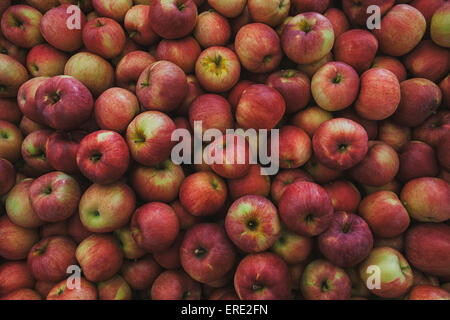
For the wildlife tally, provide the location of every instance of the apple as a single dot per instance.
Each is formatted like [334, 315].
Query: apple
[443, 153]
[432, 130]
[9, 110]
[62, 149]
[308, 215]
[344, 195]
[194, 91]
[206, 253]
[59, 228]
[76, 230]
[34, 149]
[294, 147]
[15, 275]
[137, 24]
[283, 179]
[22, 294]
[173, 19]
[141, 273]
[175, 285]
[55, 30]
[310, 119]
[396, 276]
[291, 247]
[311, 68]
[114, 9]
[310, 5]
[228, 8]
[26, 98]
[393, 134]
[319, 172]
[217, 69]
[223, 294]
[338, 20]
[127, 244]
[12, 75]
[270, 12]
[15, 241]
[130, 68]
[258, 48]
[130, 46]
[401, 30]
[182, 52]
[371, 126]
[93, 71]
[294, 86]
[421, 278]
[340, 143]
[212, 29]
[115, 288]
[396, 243]
[417, 159]
[28, 126]
[43, 6]
[254, 183]
[322, 280]
[186, 219]
[427, 292]
[12, 50]
[45, 61]
[262, 276]
[104, 36]
[356, 11]
[7, 176]
[170, 258]
[385, 214]
[61, 291]
[241, 19]
[439, 26]
[335, 86]
[392, 64]
[20, 25]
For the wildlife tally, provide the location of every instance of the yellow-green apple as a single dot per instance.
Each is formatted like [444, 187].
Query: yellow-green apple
[173, 19]
[162, 86]
[322, 280]
[427, 246]
[426, 199]
[357, 48]
[18, 206]
[99, 256]
[319, 172]
[371, 126]
[432, 130]
[45, 61]
[401, 29]
[294, 86]
[356, 10]
[228, 8]
[348, 240]
[104, 36]
[254, 183]
[443, 153]
[338, 20]
[380, 158]
[55, 29]
[392, 64]
[7, 176]
[294, 147]
[206, 253]
[26, 98]
[283, 179]
[93, 71]
[34, 150]
[12, 75]
[344, 195]
[310, 5]
[49, 259]
[393, 134]
[114, 9]
[212, 29]
[307, 38]
[140, 273]
[22, 294]
[291, 247]
[10, 141]
[9, 110]
[335, 86]
[394, 271]
[115, 288]
[417, 160]
[385, 214]
[170, 258]
[272, 12]
[43, 5]
[154, 226]
[217, 69]
[310, 119]
[262, 276]
[260, 107]
[161, 182]
[379, 96]
[175, 285]
[15, 275]
[20, 25]
[186, 219]
[127, 244]
[137, 24]
[340, 143]
[183, 52]
[61, 291]
[194, 91]
[149, 137]
[396, 243]
[308, 215]
[15, 241]
[130, 68]
[62, 150]
[10, 49]
[439, 26]
[258, 48]
[427, 292]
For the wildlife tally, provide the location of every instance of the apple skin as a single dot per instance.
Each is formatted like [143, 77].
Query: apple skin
[43, 6]
[444, 85]
[7, 176]
[106, 208]
[45, 61]
[443, 154]
[170, 258]
[154, 226]
[228, 8]
[103, 156]
[310, 119]
[393, 134]
[310, 5]
[427, 292]
[194, 91]
[26, 98]
[432, 130]
[62, 150]
[34, 151]
[307, 38]
[439, 26]
[291, 247]
[9, 110]
[12, 50]
[379, 87]
[335, 86]
[127, 244]
[258, 48]
[175, 285]
[141, 273]
[22, 294]
[392, 64]
[112, 9]
[270, 12]
[173, 19]
[424, 60]
[371, 126]
[380, 158]
[294, 86]
[322, 280]
[348, 240]
[15, 241]
[182, 52]
[49, 259]
[340, 143]
[396, 274]
[385, 214]
[115, 288]
[212, 29]
[344, 195]
[60, 291]
[417, 160]
[321, 173]
[104, 36]
[54, 196]
[426, 199]
[149, 137]
[254, 183]
[99, 257]
[20, 25]
[223, 294]
[262, 276]
[338, 20]
[186, 219]
[396, 243]
[55, 31]
[357, 11]
[15, 275]
[311, 68]
[283, 179]
[59, 228]
[12, 75]
[137, 24]
[28, 126]
[252, 223]
[130, 68]
[309, 215]
[294, 147]
[217, 69]
[206, 253]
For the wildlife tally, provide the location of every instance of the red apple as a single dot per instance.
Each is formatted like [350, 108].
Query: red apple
[137, 23]
[310, 119]
[183, 52]
[34, 150]
[44, 60]
[417, 159]
[392, 64]
[62, 150]
[22, 294]
[54, 229]
[432, 130]
[115, 288]
[338, 20]
[175, 285]
[12, 75]
[28, 126]
[7, 176]
[291, 247]
[14, 276]
[285, 178]
[321, 173]
[194, 91]
[170, 258]
[393, 134]
[371, 126]
[12, 50]
[294, 147]
[427, 292]
[228, 8]
[396, 243]
[130, 67]
[104, 36]
[186, 219]
[311, 68]
[344, 195]
[15, 241]
[114, 9]
[43, 5]
[140, 273]
[20, 25]
[254, 183]
[310, 5]
[212, 29]
[61, 291]
[9, 110]
[26, 98]
[76, 230]
[443, 153]
[272, 12]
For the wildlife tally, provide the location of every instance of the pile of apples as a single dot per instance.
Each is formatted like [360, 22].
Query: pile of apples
[90, 98]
